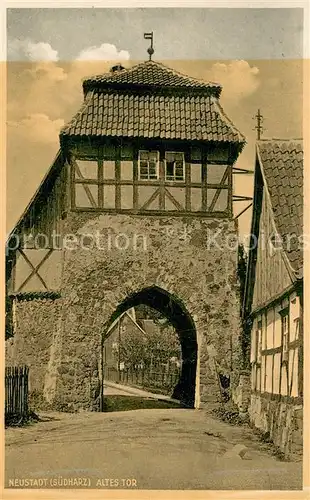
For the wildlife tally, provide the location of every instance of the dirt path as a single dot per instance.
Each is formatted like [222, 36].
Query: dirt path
[150, 449]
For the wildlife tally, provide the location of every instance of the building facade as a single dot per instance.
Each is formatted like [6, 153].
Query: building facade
[273, 310]
[128, 215]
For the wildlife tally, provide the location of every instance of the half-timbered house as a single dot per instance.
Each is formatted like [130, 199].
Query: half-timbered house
[273, 308]
[126, 215]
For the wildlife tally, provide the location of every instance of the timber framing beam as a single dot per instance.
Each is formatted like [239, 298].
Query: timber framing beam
[35, 269]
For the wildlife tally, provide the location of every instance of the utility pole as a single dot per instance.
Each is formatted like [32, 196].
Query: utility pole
[258, 127]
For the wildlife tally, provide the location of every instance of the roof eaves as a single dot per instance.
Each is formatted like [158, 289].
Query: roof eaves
[250, 272]
[227, 121]
[36, 194]
[64, 130]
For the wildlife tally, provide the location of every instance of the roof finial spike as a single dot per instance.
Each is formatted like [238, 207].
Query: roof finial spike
[259, 120]
[150, 50]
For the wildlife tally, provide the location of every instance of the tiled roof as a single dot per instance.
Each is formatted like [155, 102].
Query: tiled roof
[149, 74]
[152, 116]
[282, 166]
[152, 101]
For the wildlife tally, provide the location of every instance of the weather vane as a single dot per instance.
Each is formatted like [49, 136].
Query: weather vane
[150, 50]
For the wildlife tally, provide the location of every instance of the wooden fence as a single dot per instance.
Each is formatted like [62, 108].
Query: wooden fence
[160, 380]
[16, 391]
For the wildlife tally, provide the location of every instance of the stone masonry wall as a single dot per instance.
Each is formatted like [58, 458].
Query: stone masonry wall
[34, 341]
[282, 420]
[171, 253]
[61, 339]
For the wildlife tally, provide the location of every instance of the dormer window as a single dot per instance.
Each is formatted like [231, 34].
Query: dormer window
[174, 166]
[148, 165]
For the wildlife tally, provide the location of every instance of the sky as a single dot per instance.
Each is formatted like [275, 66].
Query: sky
[255, 54]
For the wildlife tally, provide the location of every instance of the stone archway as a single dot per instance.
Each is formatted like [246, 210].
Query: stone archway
[175, 311]
[196, 281]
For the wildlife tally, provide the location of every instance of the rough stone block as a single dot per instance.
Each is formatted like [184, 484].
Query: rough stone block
[238, 451]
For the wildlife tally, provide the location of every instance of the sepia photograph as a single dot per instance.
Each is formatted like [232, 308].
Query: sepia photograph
[154, 250]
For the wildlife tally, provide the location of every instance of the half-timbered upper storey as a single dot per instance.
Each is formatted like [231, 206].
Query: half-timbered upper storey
[148, 139]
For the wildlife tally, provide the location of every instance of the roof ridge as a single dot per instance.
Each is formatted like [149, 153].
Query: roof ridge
[178, 73]
[116, 77]
[278, 139]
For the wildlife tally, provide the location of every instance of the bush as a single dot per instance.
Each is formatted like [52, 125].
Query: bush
[229, 413]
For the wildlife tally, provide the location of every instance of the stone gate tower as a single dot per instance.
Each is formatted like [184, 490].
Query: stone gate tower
[137, 208]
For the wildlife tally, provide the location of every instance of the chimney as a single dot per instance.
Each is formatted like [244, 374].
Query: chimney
[117, 67]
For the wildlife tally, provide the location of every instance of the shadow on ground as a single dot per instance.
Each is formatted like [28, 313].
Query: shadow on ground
[127, 403]
[25, 420]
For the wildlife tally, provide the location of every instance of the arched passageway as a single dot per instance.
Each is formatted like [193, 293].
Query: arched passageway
[174, 310]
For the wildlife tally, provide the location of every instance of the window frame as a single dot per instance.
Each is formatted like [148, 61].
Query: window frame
[174, 167]
[139, 165]
[259, 341]
[285, 332]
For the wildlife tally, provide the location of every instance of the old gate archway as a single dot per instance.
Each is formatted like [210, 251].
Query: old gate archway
[175, 311]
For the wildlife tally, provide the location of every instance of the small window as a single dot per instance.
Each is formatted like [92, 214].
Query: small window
[285, 333]
[259, 342]
[174, 166]
[148, 165]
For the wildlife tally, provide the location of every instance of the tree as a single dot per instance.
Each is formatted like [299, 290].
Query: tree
[156, 345]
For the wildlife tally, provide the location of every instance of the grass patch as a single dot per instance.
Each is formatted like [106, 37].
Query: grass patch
[127, 403]
[38, 403]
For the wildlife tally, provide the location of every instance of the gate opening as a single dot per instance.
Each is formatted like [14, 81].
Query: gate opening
[168, 362]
